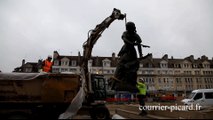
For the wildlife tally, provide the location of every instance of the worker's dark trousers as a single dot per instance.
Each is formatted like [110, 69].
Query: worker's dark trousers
[141, 99]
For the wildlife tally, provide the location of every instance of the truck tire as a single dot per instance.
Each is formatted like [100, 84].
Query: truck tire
[17, 115]
[100, 112]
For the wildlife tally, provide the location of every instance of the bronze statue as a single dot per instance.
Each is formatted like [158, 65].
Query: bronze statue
[125, 77]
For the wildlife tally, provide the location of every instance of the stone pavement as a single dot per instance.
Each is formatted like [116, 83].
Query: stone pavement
[131, 111]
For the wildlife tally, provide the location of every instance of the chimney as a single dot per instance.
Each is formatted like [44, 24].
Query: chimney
[23, 62]
[191, 57]
[39, 64]
[149, 56]
[79, 58]
[55, 55]
[165, 57]
[113, 56]
[204, 57]
[96, 60]
[79, 53]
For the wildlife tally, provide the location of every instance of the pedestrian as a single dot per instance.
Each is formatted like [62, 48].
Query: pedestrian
[47, 64]
[141, 95]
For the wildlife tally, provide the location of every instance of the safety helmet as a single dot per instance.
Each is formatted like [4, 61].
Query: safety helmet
[49, 56]
[130, 26]
[141, 80]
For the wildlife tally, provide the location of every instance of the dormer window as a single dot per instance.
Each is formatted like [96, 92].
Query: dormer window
[89, 63]
[65, 61]
[73, 63]
[56, 62]
[164, 64]
[206, 64]
[186, 64]
[176, 65]
[141, 64]
[150, 65]
[106, 63]
[194, 65]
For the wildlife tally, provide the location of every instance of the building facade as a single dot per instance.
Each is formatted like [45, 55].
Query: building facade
[29, 67]
[98, 65]
[170, 74]
[178, 75]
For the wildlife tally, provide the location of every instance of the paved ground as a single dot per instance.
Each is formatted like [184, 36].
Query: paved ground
[131, 111]
[115, 110]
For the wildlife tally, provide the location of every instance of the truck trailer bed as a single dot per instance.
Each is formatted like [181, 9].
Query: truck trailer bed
[37, 94]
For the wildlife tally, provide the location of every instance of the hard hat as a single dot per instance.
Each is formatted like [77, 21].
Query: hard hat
[130, 26]
[141, 80]
[49, 56]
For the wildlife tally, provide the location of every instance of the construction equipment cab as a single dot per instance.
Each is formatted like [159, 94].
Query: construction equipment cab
[98, 87]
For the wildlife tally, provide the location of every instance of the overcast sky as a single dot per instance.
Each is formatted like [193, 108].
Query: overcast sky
[33, 29]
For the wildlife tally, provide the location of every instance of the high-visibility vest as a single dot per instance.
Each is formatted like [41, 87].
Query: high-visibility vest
[47, 66]
[142, 88]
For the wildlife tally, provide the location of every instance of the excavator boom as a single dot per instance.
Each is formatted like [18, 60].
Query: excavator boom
[93, 36]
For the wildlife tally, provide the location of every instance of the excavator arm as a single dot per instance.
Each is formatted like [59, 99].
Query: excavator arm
[93, 36]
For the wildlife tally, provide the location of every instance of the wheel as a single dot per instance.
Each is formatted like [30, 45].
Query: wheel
[100, 112]
[17, 115]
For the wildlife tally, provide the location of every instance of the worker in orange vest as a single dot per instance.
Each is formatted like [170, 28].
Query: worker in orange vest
[47, 64]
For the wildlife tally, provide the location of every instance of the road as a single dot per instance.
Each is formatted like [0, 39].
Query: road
[132, 111]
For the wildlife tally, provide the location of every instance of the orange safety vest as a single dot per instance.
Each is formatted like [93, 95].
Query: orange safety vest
[47, 66]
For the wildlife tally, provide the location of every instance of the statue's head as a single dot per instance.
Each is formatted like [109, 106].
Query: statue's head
[130, 26]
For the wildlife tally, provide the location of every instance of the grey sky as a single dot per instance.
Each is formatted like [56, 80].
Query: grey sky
[33, 29]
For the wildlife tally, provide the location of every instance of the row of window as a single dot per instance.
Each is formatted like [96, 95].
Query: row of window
[165, 65]
[165, 80]
[179, 87]
[101, 71]
[56, 70]
[65, 63]
[170, 72]
[166, 87]
[189, 87]
[107, 63]
[198, 72]
[176, 72]
[191, 65]
[164, 84]
[207, 72]
[150, 80]
[198, 80]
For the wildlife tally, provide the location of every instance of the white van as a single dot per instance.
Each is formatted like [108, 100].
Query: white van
[202, 97]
